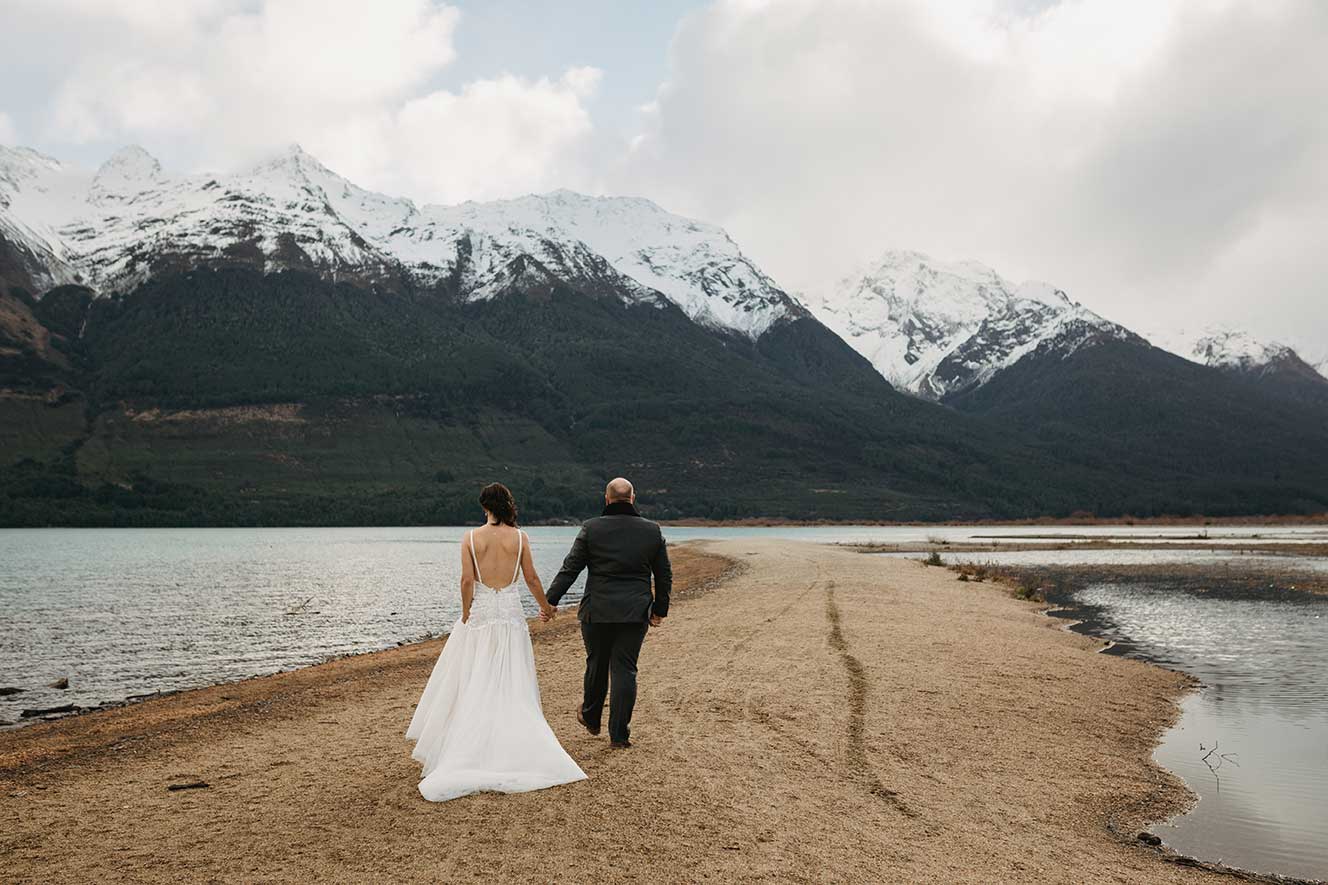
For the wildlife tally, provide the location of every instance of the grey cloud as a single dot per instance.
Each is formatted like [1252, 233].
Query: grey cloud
[820, 133]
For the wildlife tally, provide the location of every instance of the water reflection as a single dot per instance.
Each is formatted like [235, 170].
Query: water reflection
[129, 612]
[1127, 556]
[1264, 707]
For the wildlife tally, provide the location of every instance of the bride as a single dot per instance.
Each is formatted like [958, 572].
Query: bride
[479, 725]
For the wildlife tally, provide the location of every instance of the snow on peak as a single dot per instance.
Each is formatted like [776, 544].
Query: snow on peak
[904, 282]
[130, 163]
[128, 173]
[36, 191]
[24, 161]
[1046, 293]
[292, 160]
[1225, 348]
[111, 229]
[1237, 350]
[935, 328]
[695, 265]
[21, 168]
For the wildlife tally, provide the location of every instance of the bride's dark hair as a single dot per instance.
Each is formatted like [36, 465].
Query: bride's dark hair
[497, 499]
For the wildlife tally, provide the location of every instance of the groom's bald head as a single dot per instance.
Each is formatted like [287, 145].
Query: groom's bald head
[619, 490]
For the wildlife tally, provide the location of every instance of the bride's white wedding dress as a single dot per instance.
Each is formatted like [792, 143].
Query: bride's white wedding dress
[479, 724]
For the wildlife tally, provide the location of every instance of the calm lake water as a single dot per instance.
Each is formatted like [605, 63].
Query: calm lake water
[124, 612]
[1253, 742]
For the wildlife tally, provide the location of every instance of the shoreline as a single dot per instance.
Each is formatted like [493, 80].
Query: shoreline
[760, 766]
[704, 573]
[1227, 545]
[1277, 520]
[1250, 571]
[1057, 585]
[1253, 520]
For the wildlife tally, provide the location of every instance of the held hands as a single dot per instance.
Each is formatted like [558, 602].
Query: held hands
[655, 620]
[547, 613]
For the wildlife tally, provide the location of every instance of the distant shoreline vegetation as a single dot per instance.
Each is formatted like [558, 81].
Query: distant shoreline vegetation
[1077, 519]
[34, 495]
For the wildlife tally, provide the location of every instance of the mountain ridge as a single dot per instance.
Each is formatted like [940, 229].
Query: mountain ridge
[931, 328]
[1231, 349]
[113, 229]
[937, 329]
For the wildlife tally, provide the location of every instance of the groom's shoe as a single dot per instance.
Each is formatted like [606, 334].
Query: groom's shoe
[620, 745]
[581, 717]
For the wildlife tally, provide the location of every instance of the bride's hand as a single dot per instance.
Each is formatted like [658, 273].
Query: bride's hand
[547, 613]
[465, 616]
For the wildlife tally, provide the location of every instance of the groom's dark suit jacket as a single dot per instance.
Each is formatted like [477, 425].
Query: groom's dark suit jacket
[622, 550]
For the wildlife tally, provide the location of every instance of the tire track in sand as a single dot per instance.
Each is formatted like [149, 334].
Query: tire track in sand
[859, 765]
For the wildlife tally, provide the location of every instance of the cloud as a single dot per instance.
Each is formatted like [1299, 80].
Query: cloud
[219, 83]
[1154, 158]
[493, 138]
[235, 76]
[8, 134]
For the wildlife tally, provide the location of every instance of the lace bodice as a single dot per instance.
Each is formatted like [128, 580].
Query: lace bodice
[491, 606]
[496, 606]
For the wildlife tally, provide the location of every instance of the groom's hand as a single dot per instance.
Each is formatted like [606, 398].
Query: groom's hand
[656, 620]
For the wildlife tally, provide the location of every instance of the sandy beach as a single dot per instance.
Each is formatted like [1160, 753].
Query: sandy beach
[807, 713]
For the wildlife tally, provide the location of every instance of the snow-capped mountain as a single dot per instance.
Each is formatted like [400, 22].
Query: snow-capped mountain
[1233, 350]
[937, 328]
[113, 229]
[931, 328]
[1228, 349]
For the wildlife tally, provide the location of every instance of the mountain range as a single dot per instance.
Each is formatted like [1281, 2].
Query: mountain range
[938, 329]
[281, 345]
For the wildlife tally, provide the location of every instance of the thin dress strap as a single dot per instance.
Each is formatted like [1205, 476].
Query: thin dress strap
[516, 571]
[473, 558]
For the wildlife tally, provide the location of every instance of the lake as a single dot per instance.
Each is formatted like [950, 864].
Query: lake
[1253, 742]
[126, 612]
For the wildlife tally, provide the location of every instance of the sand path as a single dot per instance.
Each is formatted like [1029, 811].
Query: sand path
[823, 715]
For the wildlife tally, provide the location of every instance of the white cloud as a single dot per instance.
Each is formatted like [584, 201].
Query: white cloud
[1147, 156]
[346, 52]
[494, 138]
[161, 20]
[130, 99]
[238, 79]
[221, 82]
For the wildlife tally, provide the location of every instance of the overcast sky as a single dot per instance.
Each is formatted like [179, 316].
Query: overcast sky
[1165, 161]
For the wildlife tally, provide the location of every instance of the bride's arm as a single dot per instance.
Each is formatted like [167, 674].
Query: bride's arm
[467, 579]
[533, 580]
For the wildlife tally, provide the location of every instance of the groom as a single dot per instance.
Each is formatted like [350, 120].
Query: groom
[622, 550]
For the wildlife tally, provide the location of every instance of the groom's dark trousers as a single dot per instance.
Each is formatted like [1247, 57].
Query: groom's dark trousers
[611, 650]
[622, 552]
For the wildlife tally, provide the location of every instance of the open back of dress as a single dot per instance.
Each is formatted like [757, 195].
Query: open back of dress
[516, 569]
